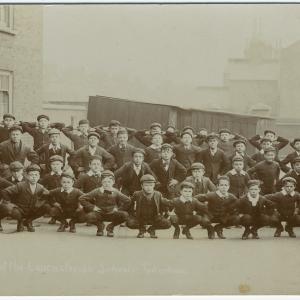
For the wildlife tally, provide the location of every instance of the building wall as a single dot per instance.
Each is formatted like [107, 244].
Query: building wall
[290, 82]
[21, 54]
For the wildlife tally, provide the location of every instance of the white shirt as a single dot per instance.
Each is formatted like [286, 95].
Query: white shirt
[234, 172]
[221, 195]
[184, 200]
[253, 200]
[51, 146]
[20, 178]
[166, 167]
[213, 152]
[67, 191]
[285, 193]
[58, 173]
[92, 150]
[91, 173]
[137, 169]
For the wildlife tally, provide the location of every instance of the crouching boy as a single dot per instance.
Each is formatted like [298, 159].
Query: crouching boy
[287, 203]
[65, 203]
[25, 201]
[221, 207]
[255, 211]
[147, 207]
[105, 204]
[189, 212]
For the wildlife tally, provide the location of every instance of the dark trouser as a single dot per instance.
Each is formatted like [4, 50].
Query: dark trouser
[20, 214]
[189, 221]
[158, 222]
[62, 216]
[258, 221]
[116, 218]
[291, 221]
[224, 221]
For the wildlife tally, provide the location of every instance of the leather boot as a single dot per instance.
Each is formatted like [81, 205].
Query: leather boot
[176, 233]
[20, 226]
[62, 227]
[219, 231]
[151, 231]
[72, 226]
[100, 228]
[188, 234]
[110, 230]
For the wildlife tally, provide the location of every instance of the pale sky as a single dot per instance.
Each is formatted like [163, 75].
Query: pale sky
[147, 51]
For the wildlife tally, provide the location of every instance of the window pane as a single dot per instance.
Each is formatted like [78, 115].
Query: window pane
[3, 103]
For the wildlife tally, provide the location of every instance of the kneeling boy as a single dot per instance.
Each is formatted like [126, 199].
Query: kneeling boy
[147, 207]
[65, 203]
[189, 212]
[105, 204]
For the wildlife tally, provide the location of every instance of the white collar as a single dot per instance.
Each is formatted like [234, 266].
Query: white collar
[221, 195]
[285, 193]
[155, 147]
[53, 173]
[253, 200]
[51, 146]
[213, 151]
[298, 153]
[15, 179]
[68, 191]
[234, 172]
[197, 179]
[91, 173]
[184, 200]
[239, 154]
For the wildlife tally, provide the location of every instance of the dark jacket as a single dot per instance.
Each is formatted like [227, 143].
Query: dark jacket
[121, 156]
[63, 151]
[87, 182]
[248, 161]
[186, 156]
[136, 206]
[4, 133]
[50, 181]
[21, 195]
[268, 173]
[286, 204]
[82, 157]
[151, 154]
[7, 154]
[238, 183]
[69, 202]
[4, 184]
[263, 206]
[278, 144]
[214, 165]
[182, 209]
[39, 138]
[293, 174]
[176, 171]
[289, 159]
[104, 200]
[79, 140]
[219, 207]
[128, 180]
[203, 187]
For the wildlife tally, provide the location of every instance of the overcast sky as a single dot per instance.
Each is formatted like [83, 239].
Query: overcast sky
[159, 45]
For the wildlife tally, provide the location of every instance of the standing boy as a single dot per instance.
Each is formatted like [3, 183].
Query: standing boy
[238, 178]
[267, 171]
[128, 177]
[202, 184]
[168, 171]
[215, 161]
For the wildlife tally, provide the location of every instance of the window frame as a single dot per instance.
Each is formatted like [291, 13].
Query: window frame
[9, 74]
[7, 28]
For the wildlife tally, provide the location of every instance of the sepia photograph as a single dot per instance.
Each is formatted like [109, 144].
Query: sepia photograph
[149, 149]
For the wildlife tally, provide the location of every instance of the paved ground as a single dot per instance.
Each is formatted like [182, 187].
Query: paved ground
[51, 263]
